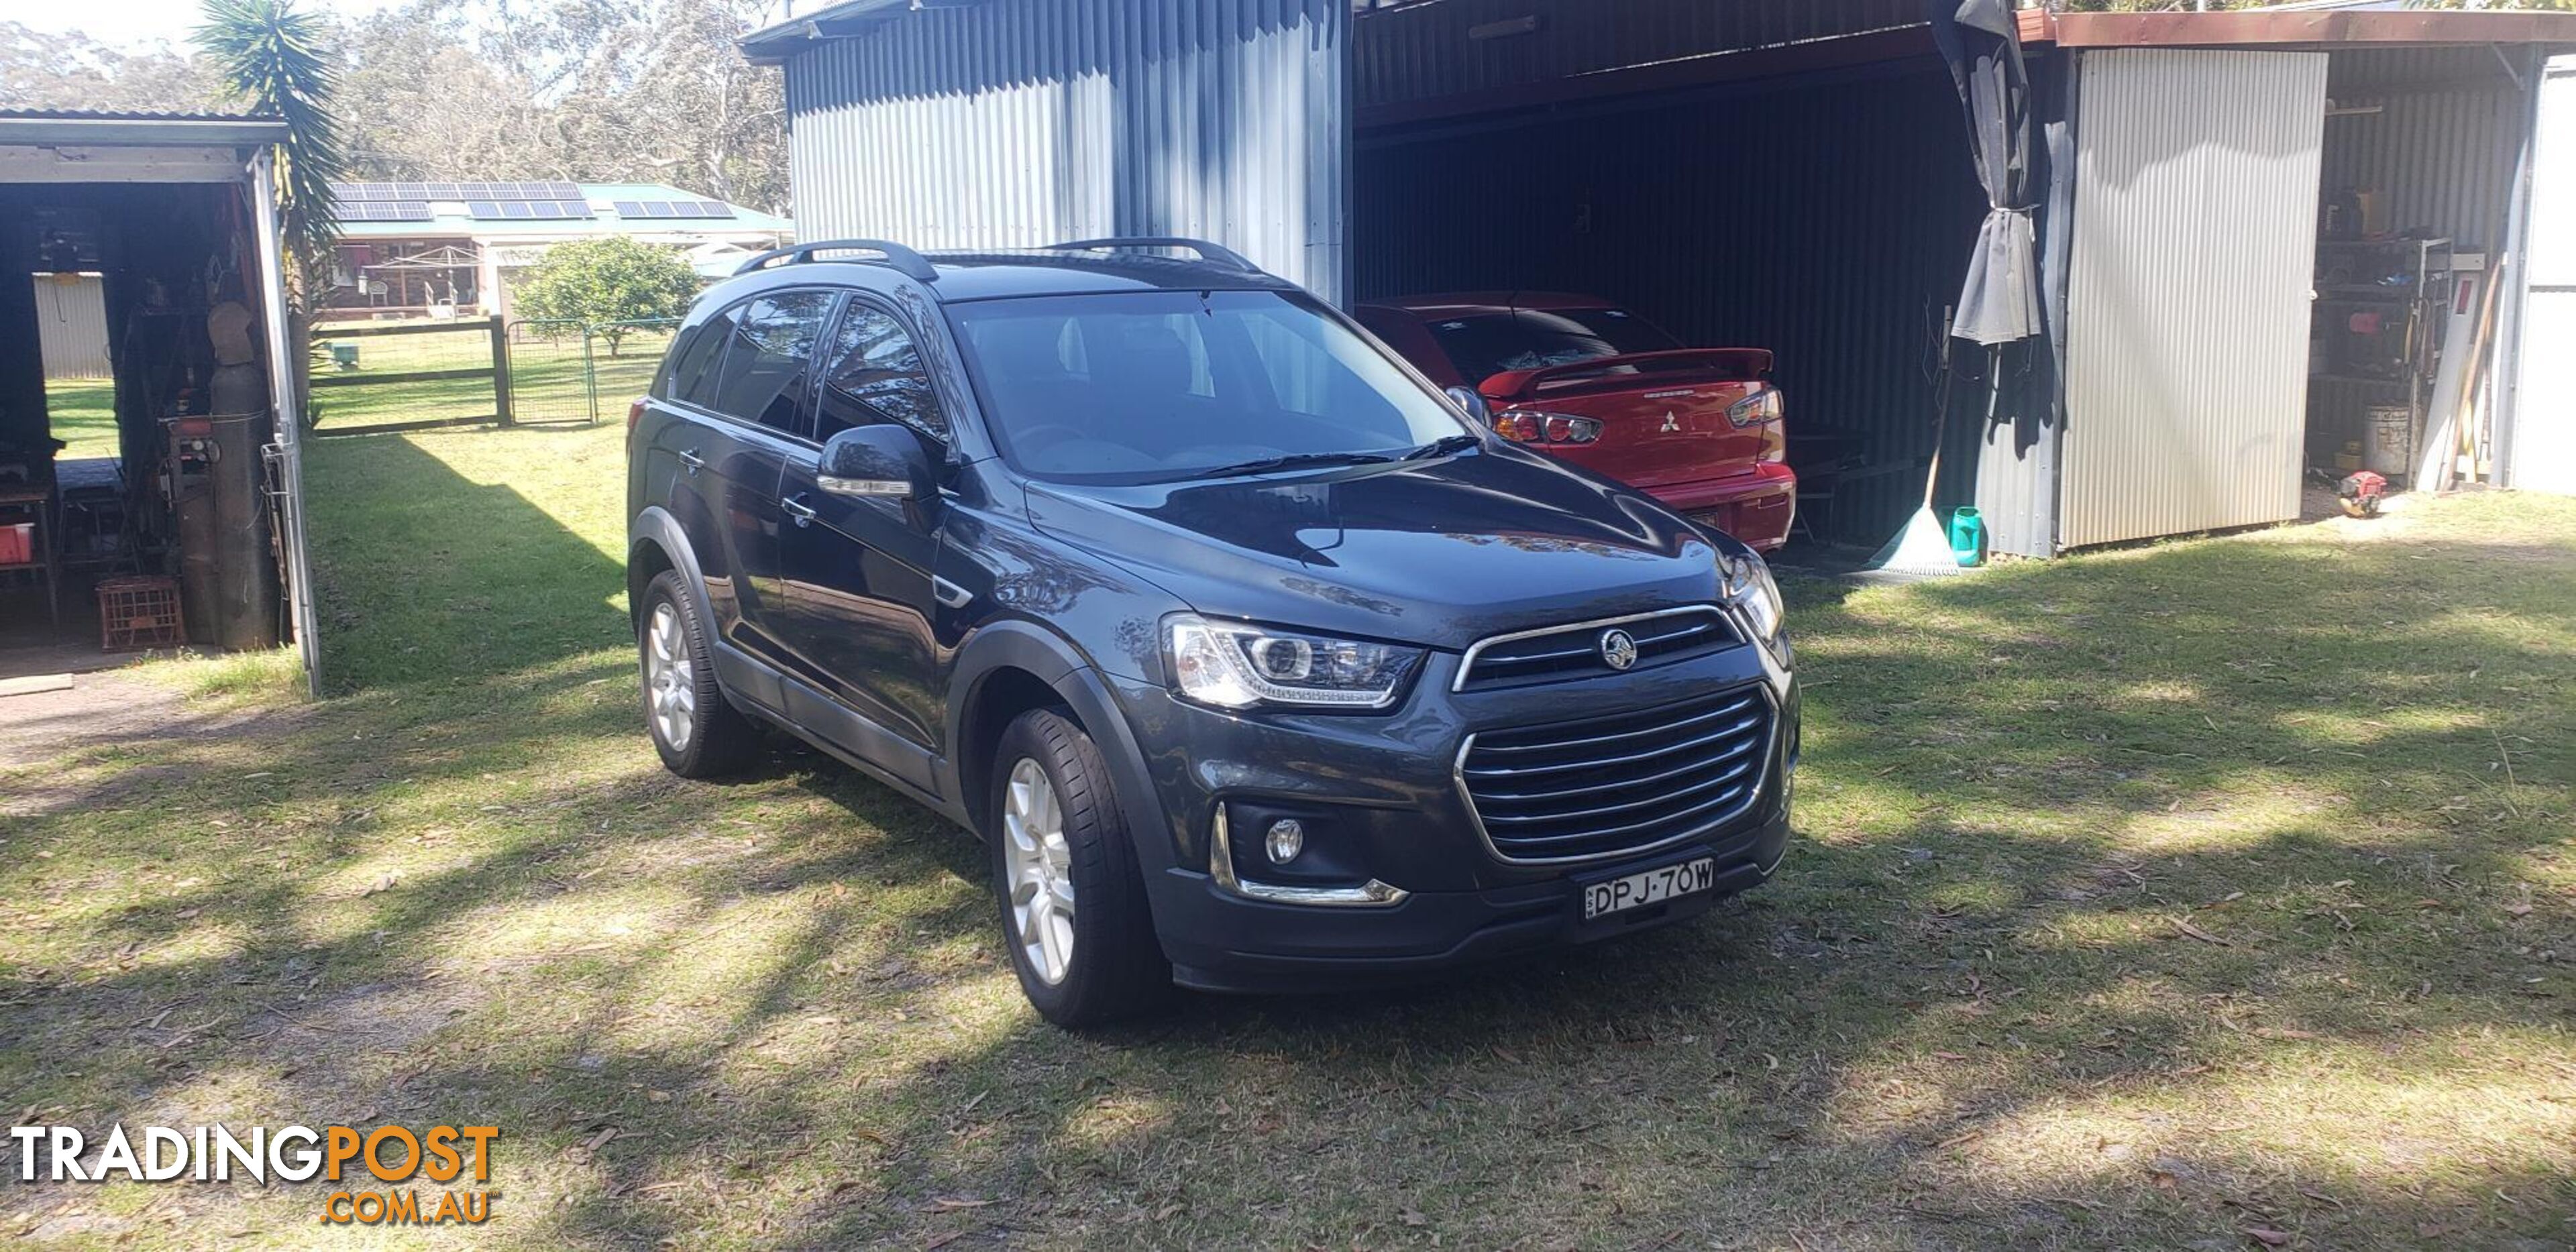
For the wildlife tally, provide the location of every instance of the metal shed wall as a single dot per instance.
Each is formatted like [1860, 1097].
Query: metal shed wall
[2195, 241]
[71, 324]
[1223, 119]
[2541, 454]
[1420, 51]
[1828, 221]
[2441, 148]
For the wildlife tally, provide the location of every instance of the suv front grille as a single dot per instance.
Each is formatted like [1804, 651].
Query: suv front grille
[1611, 786]
[1562, 652]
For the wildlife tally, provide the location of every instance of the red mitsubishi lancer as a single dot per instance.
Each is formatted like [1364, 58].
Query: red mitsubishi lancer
[1699, 429]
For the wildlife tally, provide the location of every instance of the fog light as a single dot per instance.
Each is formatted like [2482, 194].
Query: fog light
[1285, 841]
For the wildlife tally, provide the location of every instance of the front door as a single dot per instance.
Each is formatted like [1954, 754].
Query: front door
[860, 586]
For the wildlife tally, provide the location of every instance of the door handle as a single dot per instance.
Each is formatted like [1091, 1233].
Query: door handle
[798, 509]
[695, 462]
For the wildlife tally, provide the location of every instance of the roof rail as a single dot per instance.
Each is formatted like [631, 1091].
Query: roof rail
[911, 264]
[1217, 254]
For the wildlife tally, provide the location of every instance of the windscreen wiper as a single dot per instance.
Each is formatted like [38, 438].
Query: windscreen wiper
[1301, 460]
[1444, 446]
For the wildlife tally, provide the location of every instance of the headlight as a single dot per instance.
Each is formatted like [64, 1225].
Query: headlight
[1753, 592]
[1234, 666]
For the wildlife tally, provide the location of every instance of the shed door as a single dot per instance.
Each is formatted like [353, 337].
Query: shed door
[286, 456]
[2195, 248]
[2544, 424]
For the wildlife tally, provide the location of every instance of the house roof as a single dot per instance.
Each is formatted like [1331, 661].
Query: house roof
[450, 218]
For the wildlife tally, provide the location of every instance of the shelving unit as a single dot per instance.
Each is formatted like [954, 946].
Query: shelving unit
[2376, 340]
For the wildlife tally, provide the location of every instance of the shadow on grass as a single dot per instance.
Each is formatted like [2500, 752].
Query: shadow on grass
[2141, 901]
[428, 575]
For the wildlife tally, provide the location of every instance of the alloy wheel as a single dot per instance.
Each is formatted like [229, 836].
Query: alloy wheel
[670, 677]
[1041, 867]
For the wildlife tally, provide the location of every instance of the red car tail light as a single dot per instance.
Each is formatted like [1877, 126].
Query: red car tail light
[1522, 427]
[634, 413]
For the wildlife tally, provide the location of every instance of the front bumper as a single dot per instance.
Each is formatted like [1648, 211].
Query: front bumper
[1383, 806]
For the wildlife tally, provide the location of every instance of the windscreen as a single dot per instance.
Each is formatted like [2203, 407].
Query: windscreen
[1160, 386]
[1499, 343]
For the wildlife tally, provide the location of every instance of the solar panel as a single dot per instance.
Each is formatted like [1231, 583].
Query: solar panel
[496, 192]
[385, 211]
[527, 210]
[699, 209]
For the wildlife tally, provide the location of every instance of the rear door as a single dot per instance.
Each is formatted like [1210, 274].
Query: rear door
[743, 378]
[860, 586]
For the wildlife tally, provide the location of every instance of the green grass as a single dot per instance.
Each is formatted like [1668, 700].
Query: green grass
[82, 413]
[2140, 900]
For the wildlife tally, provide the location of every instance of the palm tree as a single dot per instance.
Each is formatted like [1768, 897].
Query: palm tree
[275, 58]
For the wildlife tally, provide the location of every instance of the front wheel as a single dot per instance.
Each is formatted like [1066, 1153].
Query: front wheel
[1072, 898]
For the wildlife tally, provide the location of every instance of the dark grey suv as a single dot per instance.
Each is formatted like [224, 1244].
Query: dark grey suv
[1258, 662]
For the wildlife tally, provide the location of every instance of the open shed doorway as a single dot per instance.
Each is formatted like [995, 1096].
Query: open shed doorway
[139, 511]
[1821, 214]
[2417, 188]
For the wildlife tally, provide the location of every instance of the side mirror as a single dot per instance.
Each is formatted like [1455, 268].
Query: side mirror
[1473, 401]
[880, 460]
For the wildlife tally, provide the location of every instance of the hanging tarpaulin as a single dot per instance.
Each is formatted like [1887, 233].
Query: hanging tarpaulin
[1981, 39]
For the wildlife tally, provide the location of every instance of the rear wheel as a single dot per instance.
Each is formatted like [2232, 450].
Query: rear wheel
[697, 732]
[1072, 899]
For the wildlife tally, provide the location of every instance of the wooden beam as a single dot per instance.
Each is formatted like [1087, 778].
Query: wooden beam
[2308, 28]
[412, 376]
[1711, 69]
[370, 330]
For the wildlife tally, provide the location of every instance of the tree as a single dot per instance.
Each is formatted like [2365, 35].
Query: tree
[607, 283]
[276, 60]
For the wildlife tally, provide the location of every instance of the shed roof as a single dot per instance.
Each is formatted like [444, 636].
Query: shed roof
[89, 127]
[2303, 26]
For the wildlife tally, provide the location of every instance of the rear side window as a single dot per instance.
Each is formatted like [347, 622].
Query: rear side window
[873, 374]
[769, 359]
[693, 368]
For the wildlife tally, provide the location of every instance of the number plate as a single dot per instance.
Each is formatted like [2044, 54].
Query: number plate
[1655, 886]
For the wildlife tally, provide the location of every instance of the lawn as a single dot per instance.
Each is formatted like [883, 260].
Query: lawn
[2214, 894]
[82, 412]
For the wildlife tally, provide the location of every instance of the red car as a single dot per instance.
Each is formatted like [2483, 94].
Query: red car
[1697, 428]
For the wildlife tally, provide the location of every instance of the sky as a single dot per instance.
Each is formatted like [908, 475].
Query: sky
[140, 23]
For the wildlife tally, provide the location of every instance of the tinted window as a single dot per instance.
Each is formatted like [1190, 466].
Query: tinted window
[766, 364]
[873, 375]
[1167, 385]
[1499, 343]
[693, 367]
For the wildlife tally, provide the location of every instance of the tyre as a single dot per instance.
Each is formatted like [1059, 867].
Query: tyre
[1074, 916]
[698, 732]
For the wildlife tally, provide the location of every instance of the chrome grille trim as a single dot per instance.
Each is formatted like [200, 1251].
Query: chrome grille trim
[1581, 641]
[1738, 761]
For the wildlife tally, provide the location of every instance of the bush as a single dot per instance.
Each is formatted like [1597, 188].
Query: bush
[600, 282]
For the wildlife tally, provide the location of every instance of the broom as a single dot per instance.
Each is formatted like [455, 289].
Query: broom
[1922, 549]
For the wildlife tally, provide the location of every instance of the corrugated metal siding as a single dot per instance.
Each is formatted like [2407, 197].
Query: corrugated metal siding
[1018, 123]
[2195, 221]
[1830, 223]
[71, 324]
[2542, 454]
[2441, 149]
[1422, 51]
